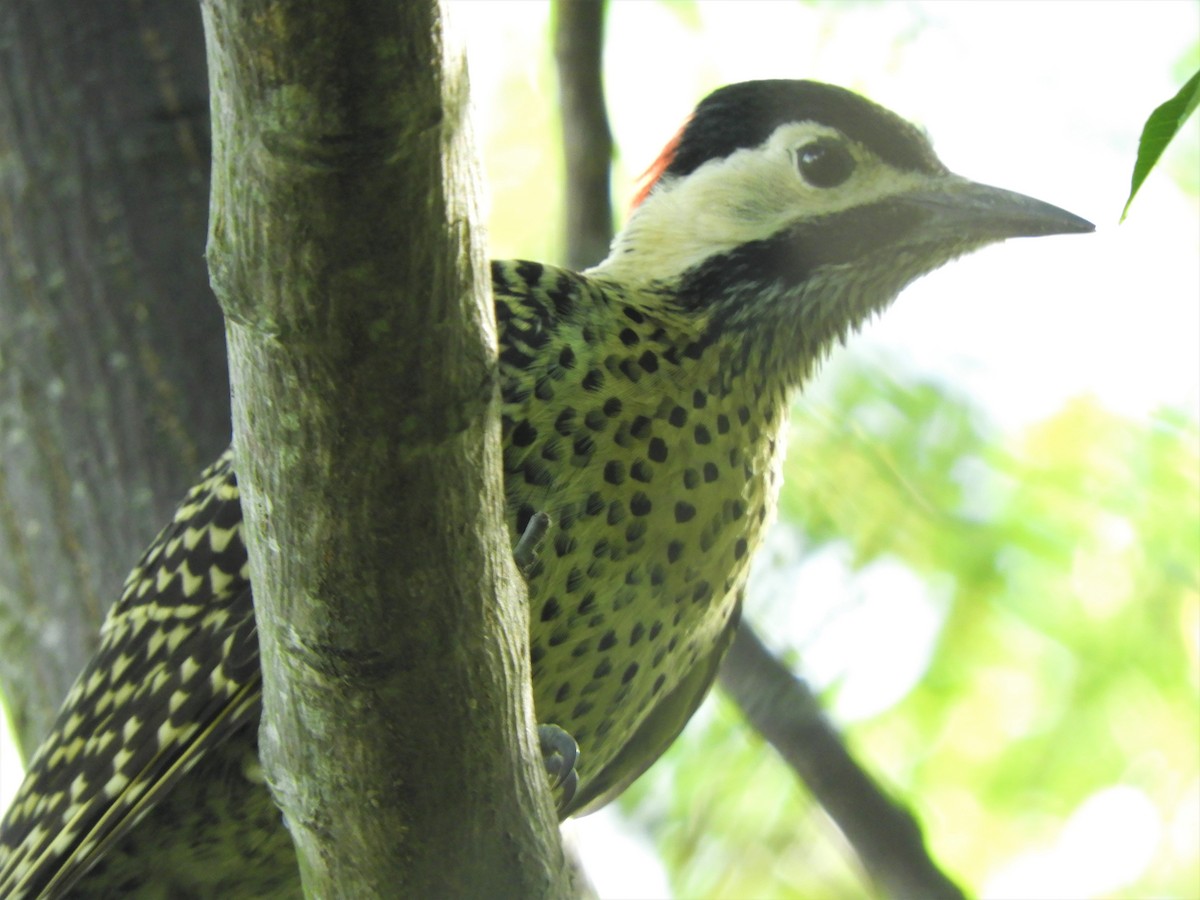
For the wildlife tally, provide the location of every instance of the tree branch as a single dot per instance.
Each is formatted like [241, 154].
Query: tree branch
[587, 141]
[784, 710]
[397, 726]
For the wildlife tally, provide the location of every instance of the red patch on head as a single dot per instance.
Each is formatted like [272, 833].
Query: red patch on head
[650, 177]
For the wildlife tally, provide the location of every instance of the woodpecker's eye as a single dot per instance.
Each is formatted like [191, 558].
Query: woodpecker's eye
[825, 163]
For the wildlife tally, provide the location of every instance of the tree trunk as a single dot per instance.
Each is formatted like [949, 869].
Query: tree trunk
[113, 389]
[398, 722]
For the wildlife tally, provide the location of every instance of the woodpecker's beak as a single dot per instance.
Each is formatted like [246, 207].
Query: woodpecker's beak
[961, 208]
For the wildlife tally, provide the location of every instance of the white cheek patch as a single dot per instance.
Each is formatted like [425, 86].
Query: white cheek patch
[748, 196]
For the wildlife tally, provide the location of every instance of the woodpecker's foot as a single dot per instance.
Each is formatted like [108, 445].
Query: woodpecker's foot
[559, 753]
[526, 551]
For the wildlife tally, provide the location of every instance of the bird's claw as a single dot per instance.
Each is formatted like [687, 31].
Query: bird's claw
[559, 755]
[526, 550]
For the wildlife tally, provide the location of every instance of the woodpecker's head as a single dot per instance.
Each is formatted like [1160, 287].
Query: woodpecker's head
[795, 209]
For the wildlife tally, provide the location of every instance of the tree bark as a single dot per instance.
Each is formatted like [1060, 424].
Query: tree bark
[112, 360]
[397, 727]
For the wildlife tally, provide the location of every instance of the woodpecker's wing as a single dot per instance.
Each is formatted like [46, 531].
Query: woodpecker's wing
[176, 673]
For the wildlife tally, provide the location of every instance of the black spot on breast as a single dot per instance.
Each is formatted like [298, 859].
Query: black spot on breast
[640, 505]
[574, 580]
[537, 474]
[523, 434]
[565, 423]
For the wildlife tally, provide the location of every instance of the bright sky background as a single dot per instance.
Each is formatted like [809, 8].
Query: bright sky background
[1046, 98]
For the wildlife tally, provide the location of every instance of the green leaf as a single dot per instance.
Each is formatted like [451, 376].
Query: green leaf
[1164, 123]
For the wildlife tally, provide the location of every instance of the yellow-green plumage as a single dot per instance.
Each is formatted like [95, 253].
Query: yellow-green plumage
[655, 457]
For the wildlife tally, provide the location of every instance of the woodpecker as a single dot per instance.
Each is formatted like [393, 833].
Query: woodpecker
[644, 410]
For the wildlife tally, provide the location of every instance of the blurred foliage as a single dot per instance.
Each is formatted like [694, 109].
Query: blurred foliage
[1065, 664]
